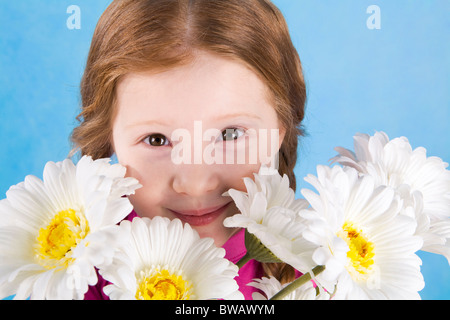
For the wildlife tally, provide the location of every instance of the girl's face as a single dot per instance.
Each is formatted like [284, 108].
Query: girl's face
[189, 135]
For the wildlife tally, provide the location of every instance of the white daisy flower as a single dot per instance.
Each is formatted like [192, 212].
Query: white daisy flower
[53, 232]
[162, 260]
[269, 213]
[394, 163]
[271, 286]
[363, 241]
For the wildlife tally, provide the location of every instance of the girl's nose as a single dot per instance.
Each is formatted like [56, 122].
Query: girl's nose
[195, 180]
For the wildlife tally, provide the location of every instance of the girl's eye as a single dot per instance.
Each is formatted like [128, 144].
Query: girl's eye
[231, 134]
[157, 140]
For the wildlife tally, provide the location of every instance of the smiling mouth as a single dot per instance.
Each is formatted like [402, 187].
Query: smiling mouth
[200, 217]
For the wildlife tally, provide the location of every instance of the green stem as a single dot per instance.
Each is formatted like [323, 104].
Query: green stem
[297, 283]
[243, 260]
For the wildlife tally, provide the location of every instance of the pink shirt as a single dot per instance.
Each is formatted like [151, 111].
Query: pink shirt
[235, 250]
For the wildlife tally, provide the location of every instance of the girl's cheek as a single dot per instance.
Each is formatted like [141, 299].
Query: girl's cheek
[239, 172]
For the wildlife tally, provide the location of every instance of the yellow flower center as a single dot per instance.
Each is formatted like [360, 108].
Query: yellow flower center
[361, 252]
[162, 285]
[56, 241]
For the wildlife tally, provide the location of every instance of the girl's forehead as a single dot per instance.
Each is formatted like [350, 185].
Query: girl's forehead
[204, 72]
[211, 87]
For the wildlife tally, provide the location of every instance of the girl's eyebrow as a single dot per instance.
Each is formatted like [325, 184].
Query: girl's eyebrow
[147, 123]
[237, 115]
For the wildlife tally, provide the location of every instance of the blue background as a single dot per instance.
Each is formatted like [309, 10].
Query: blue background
[395, 79]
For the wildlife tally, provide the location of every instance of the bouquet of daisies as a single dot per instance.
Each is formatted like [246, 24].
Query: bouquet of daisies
[56, 234]
[362, 226]
[356, 236]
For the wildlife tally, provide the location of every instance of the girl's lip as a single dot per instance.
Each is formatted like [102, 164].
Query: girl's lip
[200, 217]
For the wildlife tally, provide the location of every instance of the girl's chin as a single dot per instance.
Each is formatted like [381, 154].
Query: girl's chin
[218, 233]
